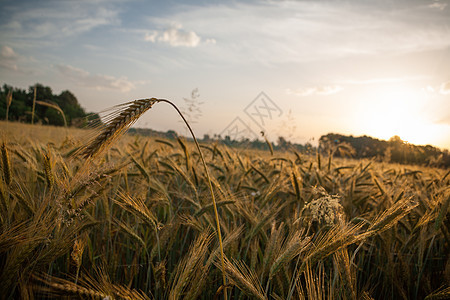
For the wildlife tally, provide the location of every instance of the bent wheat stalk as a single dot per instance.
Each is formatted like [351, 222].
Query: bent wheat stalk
[54, 106]
[117, 124]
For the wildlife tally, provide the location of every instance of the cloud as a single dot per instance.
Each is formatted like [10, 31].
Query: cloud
[8, 52]
[429, 89]
[445, 88]
[438, 6]
[210, 41]
[315, 90]
[100, 82]
[176, 37]
[48, 21]
[151, 37]
[304, 31]
[8, 58]
[383, 80]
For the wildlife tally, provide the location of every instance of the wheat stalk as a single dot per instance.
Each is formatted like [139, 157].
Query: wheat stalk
[6, 164]
[48, 169]
[294, 246]
[117, 124]
[34, 105]
[8, 103]
[190, 265]
[54, 106]
[121, 120]
[241, 276]
[138, 207]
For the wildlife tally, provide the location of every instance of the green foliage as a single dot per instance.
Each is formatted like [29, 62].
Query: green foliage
[22, 102]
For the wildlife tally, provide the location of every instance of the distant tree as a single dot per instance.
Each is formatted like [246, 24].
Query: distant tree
[21, 106]
[337, 147]
[282, 143]
[53, 117]
[171, 134]
[206, 138]
[69, 104]
[395, 150]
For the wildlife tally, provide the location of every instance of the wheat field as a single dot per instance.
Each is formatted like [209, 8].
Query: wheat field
[138, 222]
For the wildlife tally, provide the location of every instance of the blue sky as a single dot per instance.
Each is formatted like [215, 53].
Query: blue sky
[380, 68]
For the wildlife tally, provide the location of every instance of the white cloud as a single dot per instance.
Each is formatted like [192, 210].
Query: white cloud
[438, 5]
[383, 80]
[53, 20]
[429, 89]
[303, 31]
[315, 90]
[99, 82]
[151, 36]
[8, 58]
[445, 88]
[8, 52]
[176, 36]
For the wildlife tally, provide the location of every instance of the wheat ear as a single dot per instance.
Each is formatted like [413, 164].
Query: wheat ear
[241, 276]
[118, 124]
[6, 164]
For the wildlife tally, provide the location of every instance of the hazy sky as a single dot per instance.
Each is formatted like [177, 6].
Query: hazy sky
[298, 69]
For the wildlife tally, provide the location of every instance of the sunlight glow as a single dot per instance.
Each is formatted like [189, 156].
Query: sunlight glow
[399, 111]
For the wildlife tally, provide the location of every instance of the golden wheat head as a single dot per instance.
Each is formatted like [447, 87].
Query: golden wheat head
[125, 116]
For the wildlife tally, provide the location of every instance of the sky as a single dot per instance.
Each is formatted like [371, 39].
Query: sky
[297, 69]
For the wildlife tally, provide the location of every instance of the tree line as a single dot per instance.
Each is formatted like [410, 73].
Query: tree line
[17, 105]
[395, 150]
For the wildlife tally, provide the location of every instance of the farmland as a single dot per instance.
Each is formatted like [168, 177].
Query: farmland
[138, 222]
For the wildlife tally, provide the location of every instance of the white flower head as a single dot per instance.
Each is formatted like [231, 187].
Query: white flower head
[324, 211]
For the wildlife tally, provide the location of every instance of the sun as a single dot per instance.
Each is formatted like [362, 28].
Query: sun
[398, 111]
